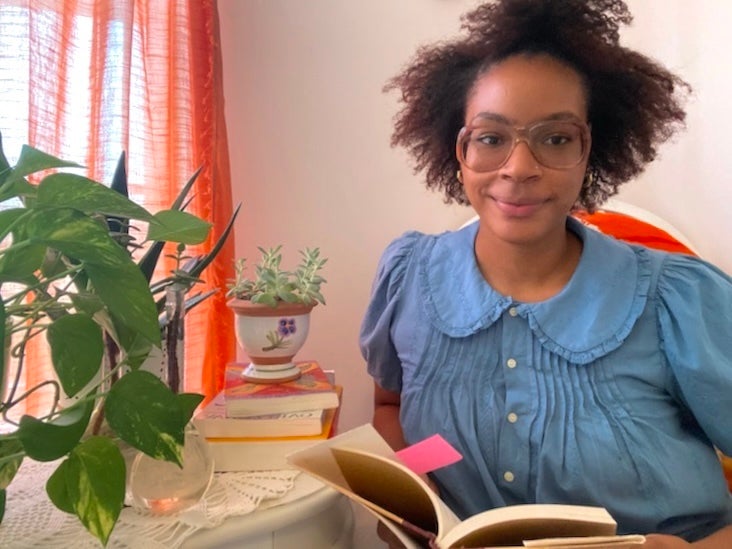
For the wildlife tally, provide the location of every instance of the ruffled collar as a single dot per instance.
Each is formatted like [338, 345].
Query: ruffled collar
[590, 317]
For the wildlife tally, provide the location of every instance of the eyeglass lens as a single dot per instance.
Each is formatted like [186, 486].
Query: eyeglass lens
[555, 144]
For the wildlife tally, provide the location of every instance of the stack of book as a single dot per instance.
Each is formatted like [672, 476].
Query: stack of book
[254, 426]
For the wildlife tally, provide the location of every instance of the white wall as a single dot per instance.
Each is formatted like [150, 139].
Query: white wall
[309, 133]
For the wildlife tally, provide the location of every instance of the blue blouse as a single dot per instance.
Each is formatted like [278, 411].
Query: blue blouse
[611, 393]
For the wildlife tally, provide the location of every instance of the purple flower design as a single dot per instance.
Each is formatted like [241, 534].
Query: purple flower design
[287, 326]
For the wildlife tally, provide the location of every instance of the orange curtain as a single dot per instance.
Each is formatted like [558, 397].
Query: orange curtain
[88, 79]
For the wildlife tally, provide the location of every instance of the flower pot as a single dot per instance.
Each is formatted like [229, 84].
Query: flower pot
[271, 337]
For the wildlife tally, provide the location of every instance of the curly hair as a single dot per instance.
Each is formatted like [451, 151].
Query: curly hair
[635, 104]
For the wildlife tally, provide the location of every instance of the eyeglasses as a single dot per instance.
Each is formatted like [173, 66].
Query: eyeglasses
[558, 144]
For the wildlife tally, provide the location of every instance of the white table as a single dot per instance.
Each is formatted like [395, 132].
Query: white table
[311, 516]
[252, 510]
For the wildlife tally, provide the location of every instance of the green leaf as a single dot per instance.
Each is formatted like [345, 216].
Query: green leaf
[77, 349]
[3, 355]
[95, 485]
[115, 277]
[76, 191]
[4, 166]
[3, 498]
[127, 296]
[32, 160]
[18, 264]
[8, 219]
[146, 414]
[178, 226]
[56, 488]
[188, 403]
[206, 260]
[11, 456]
[46, 441]
[74, 234]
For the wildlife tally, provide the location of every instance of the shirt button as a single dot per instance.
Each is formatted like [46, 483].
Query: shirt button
[508, 476]
[512, 418]
[511, 363]
[512, 311]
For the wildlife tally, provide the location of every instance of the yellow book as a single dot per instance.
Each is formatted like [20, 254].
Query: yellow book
[267, 453]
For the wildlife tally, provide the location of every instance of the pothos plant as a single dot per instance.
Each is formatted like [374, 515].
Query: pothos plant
[64, 277]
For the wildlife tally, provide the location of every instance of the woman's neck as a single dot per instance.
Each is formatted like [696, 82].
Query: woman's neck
[528, 272]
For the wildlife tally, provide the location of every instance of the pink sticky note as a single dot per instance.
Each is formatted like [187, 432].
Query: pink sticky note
[429, 454]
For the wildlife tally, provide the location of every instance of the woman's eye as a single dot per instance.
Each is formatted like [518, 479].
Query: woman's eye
[557, 139]
[490, 139]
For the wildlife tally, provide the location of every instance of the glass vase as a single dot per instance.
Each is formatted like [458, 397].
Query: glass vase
[158, 486]
[162, 487]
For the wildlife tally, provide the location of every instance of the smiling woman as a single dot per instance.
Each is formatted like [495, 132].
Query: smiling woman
[564, 365]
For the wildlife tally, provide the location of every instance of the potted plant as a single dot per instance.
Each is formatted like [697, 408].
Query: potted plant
[171, 293]
[65, 277]
[273, 312]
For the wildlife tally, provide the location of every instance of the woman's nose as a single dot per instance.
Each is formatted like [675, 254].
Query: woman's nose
[521, 163]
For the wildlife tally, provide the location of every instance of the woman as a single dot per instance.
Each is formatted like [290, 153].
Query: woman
[565, 366]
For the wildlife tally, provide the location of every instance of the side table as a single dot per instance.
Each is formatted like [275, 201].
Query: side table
[310, 516]
[254, 510]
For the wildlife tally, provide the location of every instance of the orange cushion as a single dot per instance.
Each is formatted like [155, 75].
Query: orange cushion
[633, 230]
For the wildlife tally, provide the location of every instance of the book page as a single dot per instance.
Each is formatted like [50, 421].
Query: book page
[392, 487]
[594, 542]
[321, 462]
[514, 524]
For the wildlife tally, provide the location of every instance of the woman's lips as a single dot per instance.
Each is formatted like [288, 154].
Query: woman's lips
[518, 209]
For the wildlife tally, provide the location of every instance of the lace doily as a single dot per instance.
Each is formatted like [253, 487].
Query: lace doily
[32, 521]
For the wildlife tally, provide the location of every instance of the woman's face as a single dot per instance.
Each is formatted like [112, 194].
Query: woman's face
[523, 201]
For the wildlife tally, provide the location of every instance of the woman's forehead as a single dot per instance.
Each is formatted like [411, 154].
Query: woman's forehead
[527, 88]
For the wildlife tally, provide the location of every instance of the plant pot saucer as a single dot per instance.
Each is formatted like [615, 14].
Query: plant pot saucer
[268, 374]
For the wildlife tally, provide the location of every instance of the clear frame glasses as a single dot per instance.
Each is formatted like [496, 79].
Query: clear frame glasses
[558, 144]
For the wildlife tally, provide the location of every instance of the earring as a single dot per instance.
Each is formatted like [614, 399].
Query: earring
[591, 178]
[459, 176]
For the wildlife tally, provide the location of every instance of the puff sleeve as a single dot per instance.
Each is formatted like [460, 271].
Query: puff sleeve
[375, 339]
[695, 322]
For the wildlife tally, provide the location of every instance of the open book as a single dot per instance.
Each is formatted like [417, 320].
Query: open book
[361, 465]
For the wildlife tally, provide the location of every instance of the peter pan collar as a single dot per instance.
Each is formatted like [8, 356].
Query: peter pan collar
[590, 317]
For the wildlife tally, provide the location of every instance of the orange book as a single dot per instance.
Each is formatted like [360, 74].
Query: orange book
[312, 390]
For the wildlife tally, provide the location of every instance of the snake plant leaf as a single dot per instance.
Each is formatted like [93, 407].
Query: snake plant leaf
[49, 440]
[146, 414]
[76, 191]
[77, 349]
[94, 480]
[178, 226]
[201, 265]
[119, 185]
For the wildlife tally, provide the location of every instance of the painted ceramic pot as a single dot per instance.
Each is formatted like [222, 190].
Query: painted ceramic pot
[271, 337]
